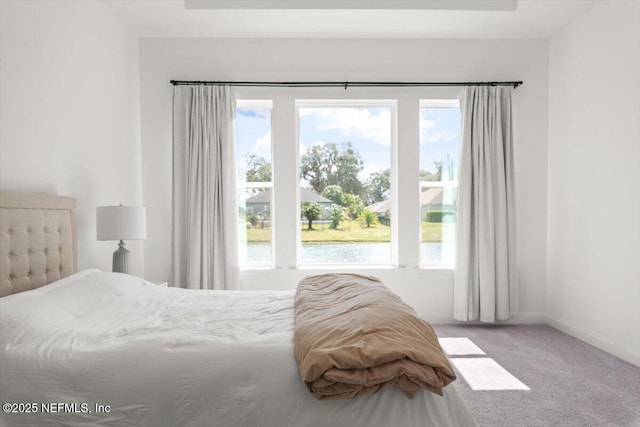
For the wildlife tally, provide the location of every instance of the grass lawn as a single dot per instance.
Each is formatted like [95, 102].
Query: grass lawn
[351, 231]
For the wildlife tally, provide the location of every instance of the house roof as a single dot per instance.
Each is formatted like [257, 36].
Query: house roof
[379, 207]
[430, 195]
[306, 195]
[427, 197]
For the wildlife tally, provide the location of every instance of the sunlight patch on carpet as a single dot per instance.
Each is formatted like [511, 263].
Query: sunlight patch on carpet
[486, 374]
[459, 346]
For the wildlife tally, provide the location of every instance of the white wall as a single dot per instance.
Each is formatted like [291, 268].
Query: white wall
[430, 291]
[69, 111]
[593, 278]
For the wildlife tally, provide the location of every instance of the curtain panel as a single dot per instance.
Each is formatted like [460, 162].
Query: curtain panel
[205, 244]
[485, 272]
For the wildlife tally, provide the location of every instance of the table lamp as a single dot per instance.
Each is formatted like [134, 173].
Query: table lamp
[121, 223]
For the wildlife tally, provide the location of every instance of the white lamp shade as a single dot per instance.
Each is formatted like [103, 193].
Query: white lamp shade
[121, 222]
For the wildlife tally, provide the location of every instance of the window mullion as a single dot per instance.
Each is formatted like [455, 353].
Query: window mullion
[285, 179]
[407, 189]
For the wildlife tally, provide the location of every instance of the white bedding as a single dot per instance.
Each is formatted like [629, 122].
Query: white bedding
[174, 357]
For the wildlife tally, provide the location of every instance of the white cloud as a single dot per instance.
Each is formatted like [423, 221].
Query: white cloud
[354, 121]
[430, 133]
[424, 125]
[370, 169]
[305, 148]
[262, 147]
[440, 135]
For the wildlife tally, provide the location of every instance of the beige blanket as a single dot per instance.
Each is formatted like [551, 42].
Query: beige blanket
[353, 336]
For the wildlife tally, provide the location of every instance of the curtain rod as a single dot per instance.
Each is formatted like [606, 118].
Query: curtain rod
[345, 84]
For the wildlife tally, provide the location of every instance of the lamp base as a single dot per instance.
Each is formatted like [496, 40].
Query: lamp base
[121, 259]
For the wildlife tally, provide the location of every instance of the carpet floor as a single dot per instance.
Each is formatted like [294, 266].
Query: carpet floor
[571, 383]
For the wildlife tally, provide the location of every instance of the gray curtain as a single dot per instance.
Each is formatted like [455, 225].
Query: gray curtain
[205, 244]
[485, 271]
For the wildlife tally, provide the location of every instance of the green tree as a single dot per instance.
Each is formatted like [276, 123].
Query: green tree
[378, 186]
[311, 211]
[258, 170]
[348, 165]
[426, 175]
[337, 215]
[353, 204]
[333, 193]
[325, 165]
[368, 217]
[316, 164]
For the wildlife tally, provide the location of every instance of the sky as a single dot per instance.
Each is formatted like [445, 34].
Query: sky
[367, 128]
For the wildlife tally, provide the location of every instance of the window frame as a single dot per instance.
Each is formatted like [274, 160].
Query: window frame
[390, 103]
[404, 182]
[436, 103]
[271, 264]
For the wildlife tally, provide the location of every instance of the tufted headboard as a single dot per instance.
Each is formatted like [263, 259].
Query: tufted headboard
[37, 240]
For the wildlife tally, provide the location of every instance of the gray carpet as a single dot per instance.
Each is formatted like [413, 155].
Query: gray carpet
[572, 383]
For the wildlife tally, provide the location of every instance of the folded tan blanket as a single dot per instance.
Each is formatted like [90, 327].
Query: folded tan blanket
[353, 336]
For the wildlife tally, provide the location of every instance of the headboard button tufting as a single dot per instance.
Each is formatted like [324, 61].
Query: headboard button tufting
[30, 241]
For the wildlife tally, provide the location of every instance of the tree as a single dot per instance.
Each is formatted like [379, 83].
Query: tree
[378, 186]
[311, 211]
[348, 165]
[432, 176]
[325, 165]
[316, 164]
[353, 204]
[337, 215]
[258, 170]
[368, 217]
[333, 193]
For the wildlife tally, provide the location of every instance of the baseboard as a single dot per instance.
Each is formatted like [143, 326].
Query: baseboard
[518, 319]
[594, 340]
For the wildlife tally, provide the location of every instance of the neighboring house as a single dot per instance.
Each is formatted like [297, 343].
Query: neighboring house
[430, 200]
[381, 208]
[261, 202]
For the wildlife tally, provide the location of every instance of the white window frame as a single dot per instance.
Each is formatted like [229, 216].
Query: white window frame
[435, 103]
[261, 103]
[405, 178]
[392, 104]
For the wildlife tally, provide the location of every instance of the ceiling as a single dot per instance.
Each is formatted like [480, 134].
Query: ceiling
[457, 19]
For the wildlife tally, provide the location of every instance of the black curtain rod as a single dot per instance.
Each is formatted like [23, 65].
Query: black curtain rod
[345, 84]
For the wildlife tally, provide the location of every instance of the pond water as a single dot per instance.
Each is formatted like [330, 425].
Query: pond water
[346, 253]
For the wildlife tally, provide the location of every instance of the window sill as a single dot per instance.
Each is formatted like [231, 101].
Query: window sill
[338, 268]
[348, 267]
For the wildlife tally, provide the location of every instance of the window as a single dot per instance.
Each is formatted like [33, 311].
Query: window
[343, 209]
[346, 149]
[255, 183]
[439, 159]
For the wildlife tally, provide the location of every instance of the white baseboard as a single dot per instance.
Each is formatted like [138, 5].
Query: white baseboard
[519, 319]
[594, 340]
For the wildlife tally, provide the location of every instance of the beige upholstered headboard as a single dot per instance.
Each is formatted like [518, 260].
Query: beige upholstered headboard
[37, 240]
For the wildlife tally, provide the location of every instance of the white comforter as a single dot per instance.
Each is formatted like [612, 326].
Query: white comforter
[174, 357]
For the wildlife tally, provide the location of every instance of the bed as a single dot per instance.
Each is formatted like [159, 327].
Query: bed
[96, 348]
